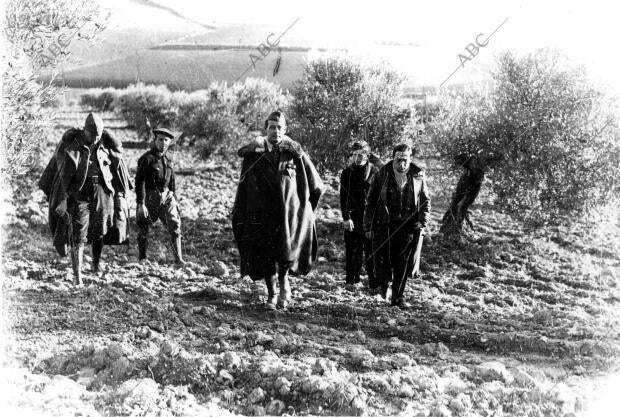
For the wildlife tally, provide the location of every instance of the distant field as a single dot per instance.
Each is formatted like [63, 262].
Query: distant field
[118, 43]
[186, 70]
[195, 69]
[235, 34]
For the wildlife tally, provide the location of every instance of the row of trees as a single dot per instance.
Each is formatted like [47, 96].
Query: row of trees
[216, 119]
[543, 137]
[337, 100]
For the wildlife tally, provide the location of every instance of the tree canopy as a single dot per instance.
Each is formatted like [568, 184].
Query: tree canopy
[339, 99]
[37, 35]
[544, 135]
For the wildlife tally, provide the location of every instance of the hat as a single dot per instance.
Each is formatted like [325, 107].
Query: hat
[164, 132]
[94, 124]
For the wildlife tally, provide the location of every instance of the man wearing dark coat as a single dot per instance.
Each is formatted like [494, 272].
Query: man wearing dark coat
[274, 212]
[396, 213]
[354, 183]
[80, 183]
[155, 195]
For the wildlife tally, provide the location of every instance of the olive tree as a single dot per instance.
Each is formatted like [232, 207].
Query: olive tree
[37, 35]
[338, 99]
[543, 135]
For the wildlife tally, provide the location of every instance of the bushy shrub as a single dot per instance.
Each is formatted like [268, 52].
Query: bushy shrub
[208, 117]
[256, 99]
[427, 110]
[339, 99]
[56, 101]
[221, 118]
[25, 121]
[99, 99]
[217, 119]
[145, 107]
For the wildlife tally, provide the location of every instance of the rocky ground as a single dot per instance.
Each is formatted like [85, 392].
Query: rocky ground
[509, 323]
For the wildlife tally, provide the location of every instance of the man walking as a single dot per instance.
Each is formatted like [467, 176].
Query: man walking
[274, 212]
[155, 195]
[79, 185]
[354, 183]
[395, 216]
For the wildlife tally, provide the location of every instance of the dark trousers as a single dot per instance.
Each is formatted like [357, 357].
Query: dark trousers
[161, 206]
[358, 249]
[92, 213]
[397, 260]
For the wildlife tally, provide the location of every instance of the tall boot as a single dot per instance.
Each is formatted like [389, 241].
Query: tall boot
[142, 238]
[176, 250]
[77, 256]
[271, 292]
[370, 266]
[398, 286]
[142, 246]
[97, 249]
[284, 298]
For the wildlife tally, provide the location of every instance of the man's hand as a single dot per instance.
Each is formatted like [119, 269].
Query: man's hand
[61, 209]
[142, 212]
[418, 226]
[368, 235]
[258, 147]
[348, 225]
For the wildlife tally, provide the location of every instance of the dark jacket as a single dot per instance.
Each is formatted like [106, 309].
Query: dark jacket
[149, 177]
[119, 232]
[299, 188]
[66, 171]
[65, 174]
[354, 184]
[376, 213]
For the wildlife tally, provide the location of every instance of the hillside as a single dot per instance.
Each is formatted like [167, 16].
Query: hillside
[132, 26]
[513, 322]
[164, 47]
[187, 69]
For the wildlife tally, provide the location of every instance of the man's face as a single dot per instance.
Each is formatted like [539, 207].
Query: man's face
[359, 158]
[402, 161]
[275, 131]
[162, 143]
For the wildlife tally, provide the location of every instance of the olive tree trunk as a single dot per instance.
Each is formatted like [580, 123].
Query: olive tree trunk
[464, 195]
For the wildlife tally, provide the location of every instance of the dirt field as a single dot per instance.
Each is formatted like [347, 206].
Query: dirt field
[510, 323]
